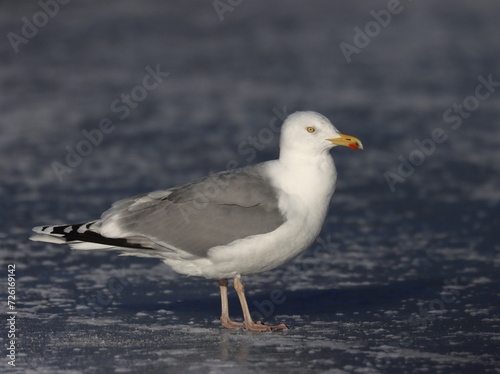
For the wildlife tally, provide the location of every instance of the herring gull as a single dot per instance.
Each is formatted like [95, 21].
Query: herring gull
[230, 224]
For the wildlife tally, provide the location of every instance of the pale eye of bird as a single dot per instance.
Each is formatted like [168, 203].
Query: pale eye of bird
[311, 129]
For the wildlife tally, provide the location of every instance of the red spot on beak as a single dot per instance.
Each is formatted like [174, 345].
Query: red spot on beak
[353, 146]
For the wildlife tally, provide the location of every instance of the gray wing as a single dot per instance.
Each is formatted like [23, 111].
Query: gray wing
[195, 217]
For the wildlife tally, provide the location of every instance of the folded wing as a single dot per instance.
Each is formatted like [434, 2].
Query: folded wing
[189, 219]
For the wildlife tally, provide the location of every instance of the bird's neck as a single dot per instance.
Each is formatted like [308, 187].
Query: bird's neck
[303, 162]
[313, 176]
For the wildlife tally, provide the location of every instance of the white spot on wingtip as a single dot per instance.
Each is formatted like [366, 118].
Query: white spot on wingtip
[47, 239]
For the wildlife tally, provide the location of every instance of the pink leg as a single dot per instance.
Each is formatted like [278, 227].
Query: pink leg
[249, 324]
[226, 321]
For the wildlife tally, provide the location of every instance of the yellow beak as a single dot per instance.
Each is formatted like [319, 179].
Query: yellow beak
[348, 141]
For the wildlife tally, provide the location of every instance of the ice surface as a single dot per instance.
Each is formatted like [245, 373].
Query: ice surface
[403, 281]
